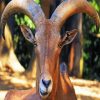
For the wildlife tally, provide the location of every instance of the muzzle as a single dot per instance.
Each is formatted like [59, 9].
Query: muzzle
[45, 85]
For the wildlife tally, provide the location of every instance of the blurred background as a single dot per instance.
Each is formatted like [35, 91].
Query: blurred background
[23, 53]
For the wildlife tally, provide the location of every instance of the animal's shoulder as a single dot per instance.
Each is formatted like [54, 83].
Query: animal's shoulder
[19, 94]
[11, 95]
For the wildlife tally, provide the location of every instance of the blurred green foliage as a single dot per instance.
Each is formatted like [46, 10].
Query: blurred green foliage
[91, 45]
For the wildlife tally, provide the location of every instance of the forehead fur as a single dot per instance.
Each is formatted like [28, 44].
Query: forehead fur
[48, 31]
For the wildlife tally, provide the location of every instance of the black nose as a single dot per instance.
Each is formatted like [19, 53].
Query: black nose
[46, 83]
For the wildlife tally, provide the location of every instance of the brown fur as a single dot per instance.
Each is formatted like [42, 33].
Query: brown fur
[48, 50]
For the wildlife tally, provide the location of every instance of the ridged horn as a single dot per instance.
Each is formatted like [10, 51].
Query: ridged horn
[28, 7]
[70, 7]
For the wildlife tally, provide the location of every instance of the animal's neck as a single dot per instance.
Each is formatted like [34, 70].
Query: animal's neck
[65, 89]
[62, 88]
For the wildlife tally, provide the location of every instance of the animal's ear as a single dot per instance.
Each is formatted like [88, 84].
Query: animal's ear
[68, 37]
[27, 33]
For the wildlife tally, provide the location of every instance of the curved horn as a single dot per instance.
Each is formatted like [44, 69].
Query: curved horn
[69, 7]
[28, 7]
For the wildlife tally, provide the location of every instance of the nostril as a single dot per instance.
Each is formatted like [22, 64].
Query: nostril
[46, 83]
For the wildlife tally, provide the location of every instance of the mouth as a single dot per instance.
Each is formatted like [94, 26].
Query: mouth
[43, 93]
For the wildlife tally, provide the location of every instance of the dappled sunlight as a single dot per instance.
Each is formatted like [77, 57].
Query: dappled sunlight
[86, 89]
[7, 56]
[16, 80]
[11, 80]
[2, 94]
[88, 92]
[14, 63]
